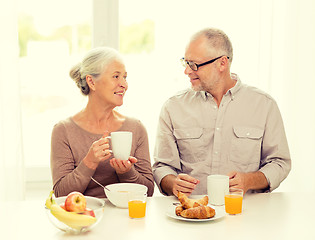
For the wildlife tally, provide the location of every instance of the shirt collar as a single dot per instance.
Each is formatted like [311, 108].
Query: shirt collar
[236, 87]
[205, 95]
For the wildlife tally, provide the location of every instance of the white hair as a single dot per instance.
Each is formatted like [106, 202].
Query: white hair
[94, 63]
[218, 41]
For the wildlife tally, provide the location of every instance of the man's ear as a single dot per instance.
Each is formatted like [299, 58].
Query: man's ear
[90, 82]
[224, 63]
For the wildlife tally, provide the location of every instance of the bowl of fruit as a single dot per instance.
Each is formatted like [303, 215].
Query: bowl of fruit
[74, 213]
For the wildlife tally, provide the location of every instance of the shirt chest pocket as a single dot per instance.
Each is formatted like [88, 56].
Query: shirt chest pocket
[246, 148]
[190, 143]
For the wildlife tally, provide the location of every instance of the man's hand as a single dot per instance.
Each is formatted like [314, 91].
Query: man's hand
[248, 181]
[181, 183]
[237, 180]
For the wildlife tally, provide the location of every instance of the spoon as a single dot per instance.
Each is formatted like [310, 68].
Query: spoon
[100, 184]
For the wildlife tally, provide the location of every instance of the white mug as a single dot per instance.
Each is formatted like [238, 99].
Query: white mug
[121, 144]
[217, 187]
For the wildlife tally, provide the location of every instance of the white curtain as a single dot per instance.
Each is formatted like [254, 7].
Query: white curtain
[290, 59]
[11, 157]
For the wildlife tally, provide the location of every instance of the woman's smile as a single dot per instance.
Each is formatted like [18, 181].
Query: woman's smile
[120, 93]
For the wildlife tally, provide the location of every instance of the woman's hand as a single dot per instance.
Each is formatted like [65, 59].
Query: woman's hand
[122, 166]
[98, 152]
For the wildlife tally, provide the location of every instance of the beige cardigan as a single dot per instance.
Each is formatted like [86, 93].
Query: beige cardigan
[70, 144]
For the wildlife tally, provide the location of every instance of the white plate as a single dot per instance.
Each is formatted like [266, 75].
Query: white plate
[219, 213]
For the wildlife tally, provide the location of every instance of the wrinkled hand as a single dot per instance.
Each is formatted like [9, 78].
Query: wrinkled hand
[184, 183]
[99, 151]
[238, 180]
[122, 166]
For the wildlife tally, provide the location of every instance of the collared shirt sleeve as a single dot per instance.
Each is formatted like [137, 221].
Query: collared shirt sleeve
[165, 153]
[275, 156]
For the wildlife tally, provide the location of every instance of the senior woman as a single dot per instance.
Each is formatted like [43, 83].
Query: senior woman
[79, 149]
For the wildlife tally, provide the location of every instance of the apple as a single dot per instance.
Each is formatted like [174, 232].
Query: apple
[75, 202]
[89, 211]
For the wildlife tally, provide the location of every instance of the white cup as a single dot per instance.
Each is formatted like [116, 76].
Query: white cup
[217, 187]
[121, 144]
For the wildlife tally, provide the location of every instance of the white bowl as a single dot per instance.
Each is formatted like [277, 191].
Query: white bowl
[119, 192]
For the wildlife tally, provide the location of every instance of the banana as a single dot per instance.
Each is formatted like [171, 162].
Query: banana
[50, 200]
[74, 220]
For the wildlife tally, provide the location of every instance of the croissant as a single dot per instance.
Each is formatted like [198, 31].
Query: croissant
[178, 210]
[200, 212]
[189, 203]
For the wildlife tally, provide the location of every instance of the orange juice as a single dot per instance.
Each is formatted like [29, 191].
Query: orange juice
[136, 208]
[233, 203]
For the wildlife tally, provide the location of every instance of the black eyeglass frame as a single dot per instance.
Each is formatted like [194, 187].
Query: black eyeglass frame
[190, 64]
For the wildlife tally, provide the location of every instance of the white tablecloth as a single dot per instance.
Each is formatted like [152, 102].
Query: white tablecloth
[265, 216]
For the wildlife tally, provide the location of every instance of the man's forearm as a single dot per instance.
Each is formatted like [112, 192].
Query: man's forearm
[167, 184]
[256, 181]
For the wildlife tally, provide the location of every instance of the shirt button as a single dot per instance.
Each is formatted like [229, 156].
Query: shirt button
[215, 152]
[215, 107]
[247, 134]
[218, 129]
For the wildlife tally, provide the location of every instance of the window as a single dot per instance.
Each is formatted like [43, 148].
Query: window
[52, 37]
[153, 38]
[152, 60]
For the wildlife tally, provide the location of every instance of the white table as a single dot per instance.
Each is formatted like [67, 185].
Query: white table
[265, 216]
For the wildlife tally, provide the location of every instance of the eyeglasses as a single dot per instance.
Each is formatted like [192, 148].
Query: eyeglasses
[194, 66]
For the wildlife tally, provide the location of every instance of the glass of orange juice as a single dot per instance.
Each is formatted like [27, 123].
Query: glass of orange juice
[137, 204]
[234, 201]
